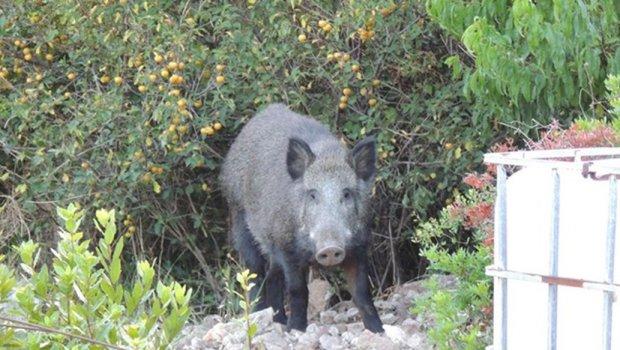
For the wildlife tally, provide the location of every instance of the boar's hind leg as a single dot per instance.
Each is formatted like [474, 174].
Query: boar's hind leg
[297, 287]
[356, 271]
[274, 292]
[250, 254]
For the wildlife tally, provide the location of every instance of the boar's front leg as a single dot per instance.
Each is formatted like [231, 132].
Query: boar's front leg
[356, 271]
[297, 287]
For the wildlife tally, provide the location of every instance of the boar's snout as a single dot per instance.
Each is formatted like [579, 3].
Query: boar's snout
[330, 255]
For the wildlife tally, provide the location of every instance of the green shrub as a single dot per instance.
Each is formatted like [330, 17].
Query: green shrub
[85, 113]
[457, 243]
[79, 301]
[534, 61]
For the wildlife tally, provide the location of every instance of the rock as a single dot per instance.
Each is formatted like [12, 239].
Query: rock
[333, 330]
[308, 340]
[352, 312]
[348, 336]
[388, 318]
[272, 340]
[395, 334]
[415, 341]
[373, 341]
[330, 342]
[319, 294]
[327, 317]
[356, 327]
[341, 318]
[262, 318]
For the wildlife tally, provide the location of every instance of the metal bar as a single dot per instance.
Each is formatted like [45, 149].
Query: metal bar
[610, 261]
[553, 263]
[558, 153]
[560, 281]
[500, 304]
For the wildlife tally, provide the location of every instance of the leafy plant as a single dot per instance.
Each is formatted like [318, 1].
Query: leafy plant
[244, 279]
[530, 62]
[79, 300]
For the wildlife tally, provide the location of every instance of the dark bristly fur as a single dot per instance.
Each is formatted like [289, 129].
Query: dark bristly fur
[298, 197]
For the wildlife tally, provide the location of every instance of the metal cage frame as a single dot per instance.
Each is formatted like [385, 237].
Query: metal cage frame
[597, 163]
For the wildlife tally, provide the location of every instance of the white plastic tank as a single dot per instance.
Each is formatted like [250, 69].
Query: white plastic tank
[583, 258]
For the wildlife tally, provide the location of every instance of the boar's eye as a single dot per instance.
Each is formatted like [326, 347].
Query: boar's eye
[346, 194]
[312, 194]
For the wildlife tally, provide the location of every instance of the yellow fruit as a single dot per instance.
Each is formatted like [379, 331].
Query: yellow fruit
[327, 28]
[347, 91]
[172, 128]
[26, 51]
[330, 57]
[346, 57]
[183, 129]
[131, 229]
[104, 79]
[38, 77]
[322, 23]
[217, 126]
[338, 55]
[344, 99]
[67, 94]
[198, 103]
[148, 142]
[182, 103]
[342, 106]
[302, 38]
[142, 88]
[165, 73]
[146, 177]
[159, 58]
[173, 66]
[71, 76]
[118, 80]
[355, 68]
[85, 165]
[17, 42]
[220, 79]
[175, 92]
[220, 68]
[28, 57]
[363, 91]
[65, 178]
[372, 102]
[205, 187]
[207, 131]
[161, 88]
[448, 145]
[152, 77]
[176, 79]
[181, 66]
[29, 80]
[376, 82]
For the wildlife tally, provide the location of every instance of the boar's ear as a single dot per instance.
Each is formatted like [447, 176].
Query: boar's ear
[362, 158]
[298, 157]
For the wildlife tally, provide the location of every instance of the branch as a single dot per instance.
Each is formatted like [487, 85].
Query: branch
[13, 323]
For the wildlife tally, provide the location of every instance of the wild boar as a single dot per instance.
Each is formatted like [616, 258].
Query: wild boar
[297, 197]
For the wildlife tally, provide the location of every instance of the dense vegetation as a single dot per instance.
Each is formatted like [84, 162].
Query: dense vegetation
[132, 105]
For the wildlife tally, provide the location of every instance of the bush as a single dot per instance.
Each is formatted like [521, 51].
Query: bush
[80, 302]
[132, 104]
[534, 61]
